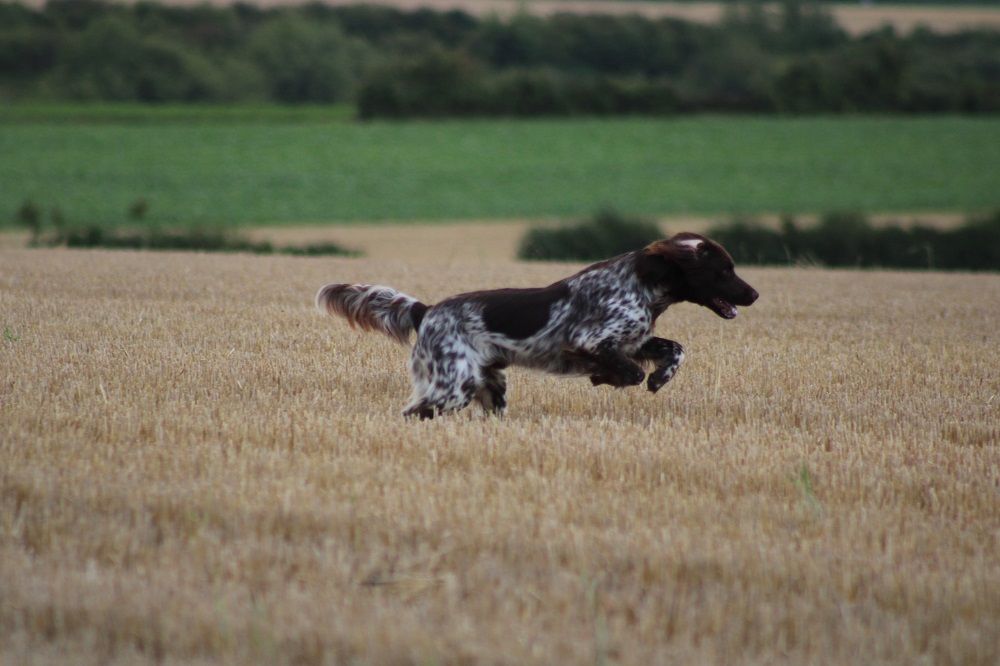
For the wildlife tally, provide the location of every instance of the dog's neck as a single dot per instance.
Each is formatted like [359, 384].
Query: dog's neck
[656, 293]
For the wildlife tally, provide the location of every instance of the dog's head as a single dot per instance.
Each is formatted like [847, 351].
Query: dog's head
[693, 268]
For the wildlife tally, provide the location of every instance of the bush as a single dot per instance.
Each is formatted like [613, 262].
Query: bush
[732, 74]
[206, 240]
[305, 61]
[325, 248]
[29, 216]
[791, 26]
[110, 60]
[975, 246]
[436, 83]
[605, 235]
[849, 239]
[377, 24]
[752, 243]
[26, 52]
[154, 238]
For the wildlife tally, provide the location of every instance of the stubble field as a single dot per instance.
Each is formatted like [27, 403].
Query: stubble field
[198, 467]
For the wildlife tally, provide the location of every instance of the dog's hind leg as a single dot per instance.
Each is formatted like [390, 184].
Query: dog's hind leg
[420, 404]
[444, 380]
[444, 398]
[437, 404]
[419, 410]
[667, 357]
[492, 395]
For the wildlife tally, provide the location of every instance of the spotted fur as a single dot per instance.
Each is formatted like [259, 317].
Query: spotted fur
[597, 323]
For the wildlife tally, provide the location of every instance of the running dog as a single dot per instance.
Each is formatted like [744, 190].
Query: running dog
[597, 323]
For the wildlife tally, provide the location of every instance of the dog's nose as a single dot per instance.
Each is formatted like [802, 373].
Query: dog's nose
[753, 296]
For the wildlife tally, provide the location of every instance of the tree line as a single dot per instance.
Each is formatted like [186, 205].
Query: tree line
[785, 58]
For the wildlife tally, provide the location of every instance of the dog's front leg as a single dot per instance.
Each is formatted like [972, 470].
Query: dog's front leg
[667, 356]
[606, 364]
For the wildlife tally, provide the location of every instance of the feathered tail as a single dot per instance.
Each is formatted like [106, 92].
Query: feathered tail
[373, 308]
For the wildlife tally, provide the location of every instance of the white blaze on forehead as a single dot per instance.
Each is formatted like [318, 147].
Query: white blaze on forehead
[691, 243]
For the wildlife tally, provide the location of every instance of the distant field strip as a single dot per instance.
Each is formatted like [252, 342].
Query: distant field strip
[276, 172]
[854, 17]
[198, 468]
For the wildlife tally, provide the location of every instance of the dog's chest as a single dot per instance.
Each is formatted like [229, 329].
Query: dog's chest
[627, 320]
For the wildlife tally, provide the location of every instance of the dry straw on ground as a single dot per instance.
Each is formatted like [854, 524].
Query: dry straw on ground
[197, 467]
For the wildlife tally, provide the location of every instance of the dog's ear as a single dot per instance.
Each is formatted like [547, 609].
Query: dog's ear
[662, 259]
[685, 248]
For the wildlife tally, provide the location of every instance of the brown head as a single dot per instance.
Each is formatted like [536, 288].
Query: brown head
[695, 269]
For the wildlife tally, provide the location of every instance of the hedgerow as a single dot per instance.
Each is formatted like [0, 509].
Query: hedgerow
[792, 58]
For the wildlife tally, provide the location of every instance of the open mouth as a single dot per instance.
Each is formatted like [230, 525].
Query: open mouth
[723, 308]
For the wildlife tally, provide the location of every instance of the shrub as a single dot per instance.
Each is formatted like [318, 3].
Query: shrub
[196, 239]
[207, 240]
[138, 208]
[304, 61]
[789, 26]
[325, 248]
[732, 74]
[975, 245]
[750, 242]
[110, 60]
[29, 216]
[438, 82]
[549, 92]
[377, 24]
[606, 234]
[26, 52]
[848, 239]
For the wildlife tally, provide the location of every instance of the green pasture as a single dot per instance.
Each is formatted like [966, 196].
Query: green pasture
[274, 169]
[111, 113]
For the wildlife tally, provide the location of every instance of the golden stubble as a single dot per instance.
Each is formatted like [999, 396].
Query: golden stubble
[198, 467]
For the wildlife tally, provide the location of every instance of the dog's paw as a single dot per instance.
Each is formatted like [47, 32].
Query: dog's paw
[633, 377]
[661, 376]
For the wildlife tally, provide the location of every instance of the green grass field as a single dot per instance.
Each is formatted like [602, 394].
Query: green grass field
[274, 168]
[130, 113]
